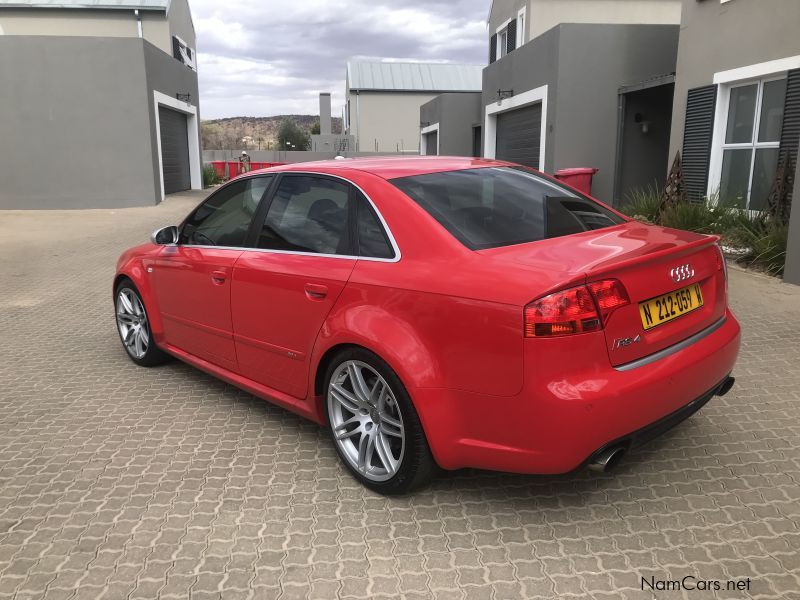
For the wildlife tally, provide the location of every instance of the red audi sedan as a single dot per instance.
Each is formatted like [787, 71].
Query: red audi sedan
[438, 312]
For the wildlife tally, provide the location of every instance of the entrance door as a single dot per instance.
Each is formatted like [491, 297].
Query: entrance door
[519, 134]
[432, 143]
[174, 150]
[643, 155]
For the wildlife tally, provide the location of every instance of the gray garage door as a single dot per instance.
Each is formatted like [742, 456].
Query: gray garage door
[174, 150]
[431, 143]
[518, 133]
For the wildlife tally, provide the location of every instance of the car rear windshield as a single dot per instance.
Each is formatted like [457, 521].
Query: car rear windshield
[501, 206]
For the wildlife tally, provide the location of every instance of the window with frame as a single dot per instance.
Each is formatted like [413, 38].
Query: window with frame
[308, 214]
[224, 219]
[752, 141]
[372, 239]
[502, 43]
[502, 206]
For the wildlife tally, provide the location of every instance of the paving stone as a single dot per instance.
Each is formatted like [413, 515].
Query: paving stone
[121, 482]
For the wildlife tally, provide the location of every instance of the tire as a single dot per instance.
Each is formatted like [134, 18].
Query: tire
[374, 426]
[133, 325]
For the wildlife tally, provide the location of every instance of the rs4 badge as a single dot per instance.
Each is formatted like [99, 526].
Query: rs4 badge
[623, 342]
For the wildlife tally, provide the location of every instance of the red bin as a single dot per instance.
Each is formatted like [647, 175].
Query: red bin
[233, 168]
[258, 165]
[580, 178]
[219, 168]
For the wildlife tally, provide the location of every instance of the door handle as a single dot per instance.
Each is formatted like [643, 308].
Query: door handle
[315, 291]
[218, 277]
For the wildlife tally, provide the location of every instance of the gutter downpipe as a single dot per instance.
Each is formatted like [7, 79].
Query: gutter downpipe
[358, 120]
[138, 22]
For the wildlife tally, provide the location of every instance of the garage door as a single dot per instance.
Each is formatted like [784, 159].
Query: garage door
[174, 150]
[432, 143]
[518, 134]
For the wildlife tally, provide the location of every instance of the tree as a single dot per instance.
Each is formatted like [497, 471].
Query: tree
[291, 137]
[315, 128]
[211, 135]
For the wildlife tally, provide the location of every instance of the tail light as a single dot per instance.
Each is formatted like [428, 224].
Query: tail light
[575, 310]
[609, 295]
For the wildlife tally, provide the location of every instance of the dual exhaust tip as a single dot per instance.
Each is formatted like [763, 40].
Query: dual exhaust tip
[609, 458]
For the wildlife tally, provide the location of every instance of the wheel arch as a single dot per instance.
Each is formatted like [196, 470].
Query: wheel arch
[135, 273]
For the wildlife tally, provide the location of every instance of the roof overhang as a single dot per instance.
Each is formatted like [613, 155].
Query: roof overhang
[144, 5]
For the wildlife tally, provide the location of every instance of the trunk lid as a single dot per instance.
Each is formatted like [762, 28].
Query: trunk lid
[642, 257]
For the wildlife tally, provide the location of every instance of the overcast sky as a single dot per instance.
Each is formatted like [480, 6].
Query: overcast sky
[272, 57]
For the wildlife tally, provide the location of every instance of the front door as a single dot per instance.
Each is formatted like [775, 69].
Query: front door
[283, 291]
[192, 280]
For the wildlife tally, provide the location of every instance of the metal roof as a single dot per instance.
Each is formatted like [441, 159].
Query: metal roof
[90, 4]
[412, 76]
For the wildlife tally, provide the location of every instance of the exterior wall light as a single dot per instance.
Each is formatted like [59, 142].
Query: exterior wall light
[501, 94]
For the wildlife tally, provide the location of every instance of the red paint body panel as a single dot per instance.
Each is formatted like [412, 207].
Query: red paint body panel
[449, 321]
[192, 289]
[279, 303]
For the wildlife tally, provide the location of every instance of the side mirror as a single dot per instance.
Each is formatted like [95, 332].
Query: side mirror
[165, 236]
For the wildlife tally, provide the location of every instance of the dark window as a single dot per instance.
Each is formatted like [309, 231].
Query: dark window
[372, 239]
[223, 219]
[486, 208]
[307, 214]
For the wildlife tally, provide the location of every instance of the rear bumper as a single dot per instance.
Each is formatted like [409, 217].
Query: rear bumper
[571, 406]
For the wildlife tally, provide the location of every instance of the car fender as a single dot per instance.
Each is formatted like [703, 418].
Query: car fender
[391, 337]
[133, 265]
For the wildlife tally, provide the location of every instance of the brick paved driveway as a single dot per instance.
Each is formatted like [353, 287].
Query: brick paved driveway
[121, 482]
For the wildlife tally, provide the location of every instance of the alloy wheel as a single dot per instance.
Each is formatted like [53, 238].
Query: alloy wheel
[366, 420]
[132, 323]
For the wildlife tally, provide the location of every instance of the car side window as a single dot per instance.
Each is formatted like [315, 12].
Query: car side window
[308, 214]
[372, 239]
[224, 219]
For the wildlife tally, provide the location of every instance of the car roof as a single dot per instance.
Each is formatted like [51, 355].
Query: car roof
[390, 167]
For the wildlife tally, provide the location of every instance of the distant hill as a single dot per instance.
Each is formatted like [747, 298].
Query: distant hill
[228, 133]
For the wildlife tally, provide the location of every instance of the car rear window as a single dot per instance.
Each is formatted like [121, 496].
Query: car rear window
[502, 206]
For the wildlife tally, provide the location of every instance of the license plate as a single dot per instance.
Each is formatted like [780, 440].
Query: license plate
[663, 309]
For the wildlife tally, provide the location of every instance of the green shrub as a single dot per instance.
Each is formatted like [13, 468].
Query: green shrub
[691, 216]
[765, 239]
[761, 238]
[642, 204]
[209, 176]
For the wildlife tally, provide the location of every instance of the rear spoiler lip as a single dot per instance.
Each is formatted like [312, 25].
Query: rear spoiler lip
[626, 263]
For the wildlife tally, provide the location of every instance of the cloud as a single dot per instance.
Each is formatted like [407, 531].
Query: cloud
[259, 58]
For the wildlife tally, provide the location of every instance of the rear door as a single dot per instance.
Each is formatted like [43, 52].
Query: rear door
[284, 288]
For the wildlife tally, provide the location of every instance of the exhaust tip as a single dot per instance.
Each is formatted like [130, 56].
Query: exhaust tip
[726, 386]
[607, 460]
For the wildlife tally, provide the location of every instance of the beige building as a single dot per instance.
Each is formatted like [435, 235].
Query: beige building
[384, 99]
[523, 20]
[120, 19]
